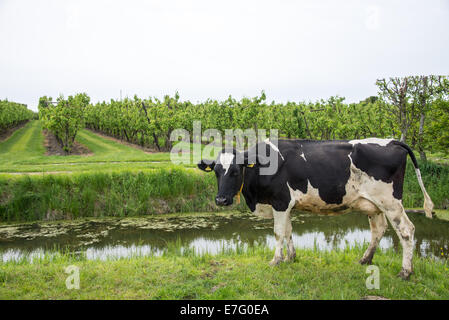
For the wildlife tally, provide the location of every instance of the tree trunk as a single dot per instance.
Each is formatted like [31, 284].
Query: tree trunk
[404, 132]
[307, 127]
[422, 154]
[404, 125]
[156, 142]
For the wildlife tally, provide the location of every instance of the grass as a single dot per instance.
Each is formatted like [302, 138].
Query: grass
[438, 157]
[442, 214]
[232, 274]
[24, 152]
[50, 197]
[24, 142]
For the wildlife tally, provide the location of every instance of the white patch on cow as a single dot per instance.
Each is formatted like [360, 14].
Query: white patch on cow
[380, 142]
[226, 161]
[363, 193]
[264, 211]
[271, 144]
[302, 155]
[309, 201]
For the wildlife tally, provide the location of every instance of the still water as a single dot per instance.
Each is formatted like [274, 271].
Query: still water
[125, 237]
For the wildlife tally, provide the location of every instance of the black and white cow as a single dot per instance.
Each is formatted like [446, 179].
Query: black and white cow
[324, 177]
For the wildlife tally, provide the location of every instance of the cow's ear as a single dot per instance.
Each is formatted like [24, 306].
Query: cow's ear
[206, 165]
[253, 158]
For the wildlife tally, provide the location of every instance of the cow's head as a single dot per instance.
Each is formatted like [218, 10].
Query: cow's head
[230, 165]
[228, 168]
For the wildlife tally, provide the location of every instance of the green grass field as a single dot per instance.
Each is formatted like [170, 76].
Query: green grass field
[24, 151]
[235, 274]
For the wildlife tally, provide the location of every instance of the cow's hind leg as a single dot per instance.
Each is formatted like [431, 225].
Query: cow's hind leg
[282, 226]
[378, 225]
[405, 230]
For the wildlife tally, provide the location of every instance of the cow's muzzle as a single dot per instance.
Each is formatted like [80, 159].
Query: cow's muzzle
[223, 201]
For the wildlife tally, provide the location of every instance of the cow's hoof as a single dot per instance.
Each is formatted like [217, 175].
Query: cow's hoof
[405, 274]
[366, 261]
[275, 261]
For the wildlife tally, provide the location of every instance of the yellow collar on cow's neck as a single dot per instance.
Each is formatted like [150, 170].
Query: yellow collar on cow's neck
[241, 187]
[237, 200]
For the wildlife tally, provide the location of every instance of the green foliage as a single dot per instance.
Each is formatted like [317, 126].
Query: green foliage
[65, 118]
[149, 122]
[12, 114]
[409, 101]
[437, 138]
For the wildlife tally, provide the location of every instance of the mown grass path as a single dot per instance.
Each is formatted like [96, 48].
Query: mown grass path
[25, 142]
[24, 151]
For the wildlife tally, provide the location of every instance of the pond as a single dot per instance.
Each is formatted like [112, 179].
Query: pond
[124, 237]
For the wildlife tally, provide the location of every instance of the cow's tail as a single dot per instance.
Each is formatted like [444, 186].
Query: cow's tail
[428, 204]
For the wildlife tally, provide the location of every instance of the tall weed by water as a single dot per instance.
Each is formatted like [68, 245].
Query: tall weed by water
[51, 197]
[436, 180]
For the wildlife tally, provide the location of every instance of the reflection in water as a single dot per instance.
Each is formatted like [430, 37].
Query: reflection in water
[120, 238]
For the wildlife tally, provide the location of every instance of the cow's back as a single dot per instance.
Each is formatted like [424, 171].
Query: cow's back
[337, 176]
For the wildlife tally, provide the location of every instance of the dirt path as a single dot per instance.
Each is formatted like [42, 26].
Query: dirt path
[54, 147]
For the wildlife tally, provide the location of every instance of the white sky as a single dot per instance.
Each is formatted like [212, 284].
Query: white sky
[294, 50]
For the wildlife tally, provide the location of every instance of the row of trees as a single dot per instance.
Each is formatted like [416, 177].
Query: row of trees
[413, 109]
[13, 114]
[64, 117]
[150, 121]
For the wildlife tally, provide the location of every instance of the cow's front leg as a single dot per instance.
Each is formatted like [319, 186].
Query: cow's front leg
[291, 252]
[282, 230]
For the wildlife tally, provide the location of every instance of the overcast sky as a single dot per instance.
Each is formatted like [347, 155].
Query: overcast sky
[294, 50]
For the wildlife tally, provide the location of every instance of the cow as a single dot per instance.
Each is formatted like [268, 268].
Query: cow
[323, 177]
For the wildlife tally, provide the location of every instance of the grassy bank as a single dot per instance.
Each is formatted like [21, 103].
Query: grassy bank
[51, 197]
[155, 191]
[238, 274]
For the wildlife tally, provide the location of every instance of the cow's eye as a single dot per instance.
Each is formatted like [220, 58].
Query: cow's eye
[234, 174]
